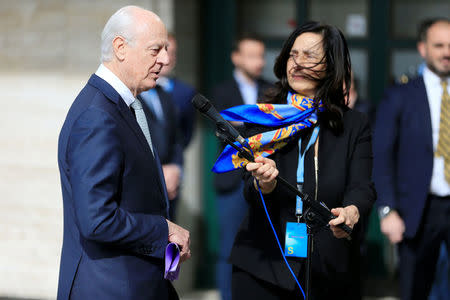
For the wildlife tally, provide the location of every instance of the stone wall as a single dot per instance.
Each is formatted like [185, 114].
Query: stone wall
[61, 35]
[33, 109]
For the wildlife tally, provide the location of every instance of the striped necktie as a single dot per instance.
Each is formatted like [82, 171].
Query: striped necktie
[443, 147]
[142, 121]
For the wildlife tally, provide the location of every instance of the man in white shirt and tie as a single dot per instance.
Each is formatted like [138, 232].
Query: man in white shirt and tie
[412, 163]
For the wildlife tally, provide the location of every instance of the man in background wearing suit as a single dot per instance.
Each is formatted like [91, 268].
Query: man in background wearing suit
[412, 163]
[181, 93]
[115, 201]
[245, 87]
[171, 116]
[162, 118]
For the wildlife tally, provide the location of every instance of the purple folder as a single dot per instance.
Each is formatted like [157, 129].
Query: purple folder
[172, 268]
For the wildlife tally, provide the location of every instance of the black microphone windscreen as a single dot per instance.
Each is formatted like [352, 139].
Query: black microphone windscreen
[207, 109]
[201, 103]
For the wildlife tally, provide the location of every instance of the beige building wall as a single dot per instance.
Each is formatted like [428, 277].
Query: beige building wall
[60, 34]
[48, 49]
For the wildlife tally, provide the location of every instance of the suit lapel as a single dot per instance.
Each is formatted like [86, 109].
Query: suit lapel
[262, 87]
[162, 183]
[166, 102]
[237, 97]
[152, 124]
[131, 120]
[163, 102]
[128, 116]
[424, 106]
[126, 113]
[123, 109]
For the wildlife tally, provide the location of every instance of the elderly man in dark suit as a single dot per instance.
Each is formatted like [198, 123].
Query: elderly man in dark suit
[412, 163]
[115, 200]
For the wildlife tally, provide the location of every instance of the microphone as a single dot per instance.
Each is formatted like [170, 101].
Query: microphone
[223, 126]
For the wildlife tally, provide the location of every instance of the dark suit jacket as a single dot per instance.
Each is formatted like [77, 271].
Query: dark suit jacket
[403, 152]
[226, 95]
[182, 95]
[165, 132]
[345, 166]
[115, 202]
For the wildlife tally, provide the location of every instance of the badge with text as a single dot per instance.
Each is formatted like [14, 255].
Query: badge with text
[296, 242]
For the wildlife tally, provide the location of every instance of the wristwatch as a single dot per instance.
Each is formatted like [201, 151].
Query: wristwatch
[383, 211]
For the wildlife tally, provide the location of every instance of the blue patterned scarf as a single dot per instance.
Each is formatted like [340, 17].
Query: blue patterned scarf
[299, 113]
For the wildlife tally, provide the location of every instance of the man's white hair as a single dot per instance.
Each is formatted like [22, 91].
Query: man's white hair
[120, 24]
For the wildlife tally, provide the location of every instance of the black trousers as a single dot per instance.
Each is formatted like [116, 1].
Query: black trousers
[419, 255]
[245, 286]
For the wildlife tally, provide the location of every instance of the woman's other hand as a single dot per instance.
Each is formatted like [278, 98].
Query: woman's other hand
[264, 170]
[348, 215]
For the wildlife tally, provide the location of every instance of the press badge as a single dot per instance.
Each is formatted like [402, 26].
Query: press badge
[296, 241]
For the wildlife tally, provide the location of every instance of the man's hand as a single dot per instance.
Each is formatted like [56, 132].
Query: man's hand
[393, 227]
[348, 215]
[265, 171]
[172, 174]
[181, 237]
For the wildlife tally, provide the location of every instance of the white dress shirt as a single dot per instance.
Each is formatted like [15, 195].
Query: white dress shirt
[117, 84]
[153, 102]
[248, 89]
[439, 186]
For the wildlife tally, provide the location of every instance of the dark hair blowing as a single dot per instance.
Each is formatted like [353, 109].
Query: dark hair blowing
[334, 84]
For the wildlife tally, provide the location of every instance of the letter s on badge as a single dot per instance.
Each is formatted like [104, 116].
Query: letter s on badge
[291, 250]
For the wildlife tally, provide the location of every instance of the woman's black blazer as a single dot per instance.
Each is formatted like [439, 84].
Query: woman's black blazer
[345, 167]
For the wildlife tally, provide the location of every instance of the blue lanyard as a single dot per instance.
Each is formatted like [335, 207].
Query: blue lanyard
[301, 169]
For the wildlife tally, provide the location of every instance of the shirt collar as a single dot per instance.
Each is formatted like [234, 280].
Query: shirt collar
[241, 80]
[431, 78]
[117, 84]
[164, 82]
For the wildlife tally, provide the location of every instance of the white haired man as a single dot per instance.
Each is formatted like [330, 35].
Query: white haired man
[115, 200]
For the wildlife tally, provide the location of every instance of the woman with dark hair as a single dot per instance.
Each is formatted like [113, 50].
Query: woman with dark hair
[331, 160]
